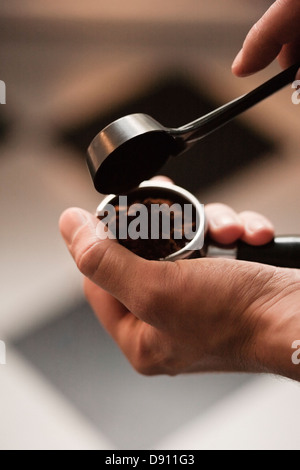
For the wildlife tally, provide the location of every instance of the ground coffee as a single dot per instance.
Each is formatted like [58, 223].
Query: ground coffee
[179, 233]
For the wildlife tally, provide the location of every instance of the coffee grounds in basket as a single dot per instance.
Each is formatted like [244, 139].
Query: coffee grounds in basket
[168, 242]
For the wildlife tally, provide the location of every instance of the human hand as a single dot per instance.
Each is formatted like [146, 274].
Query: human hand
[277, 33]
[192, 315]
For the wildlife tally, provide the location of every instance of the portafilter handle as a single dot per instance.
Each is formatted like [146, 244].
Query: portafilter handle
[283, 252]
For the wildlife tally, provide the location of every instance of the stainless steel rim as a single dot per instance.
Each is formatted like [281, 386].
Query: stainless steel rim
[198, 240]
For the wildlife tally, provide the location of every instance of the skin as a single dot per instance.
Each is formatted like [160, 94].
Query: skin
[201, 315]
[237, 316]
[275, 35]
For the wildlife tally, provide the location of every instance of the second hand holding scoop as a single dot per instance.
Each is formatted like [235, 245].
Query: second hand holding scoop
[135, 147]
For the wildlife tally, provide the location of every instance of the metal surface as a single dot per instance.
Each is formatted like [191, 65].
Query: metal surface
[282, 251]
[133, 148]
[128, 151]
[215, 251]
[174, 192]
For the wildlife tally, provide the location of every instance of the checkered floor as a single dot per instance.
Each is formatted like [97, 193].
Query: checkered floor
[84, 364]
[66, 384]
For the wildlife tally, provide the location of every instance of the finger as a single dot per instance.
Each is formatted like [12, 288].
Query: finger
[109, 310]
[115, 317]
[279, 26]
[288, 54]
[164, 179]
[224, 225]
[104, 261]
[138, 284]
[258, 230]
[138, 340]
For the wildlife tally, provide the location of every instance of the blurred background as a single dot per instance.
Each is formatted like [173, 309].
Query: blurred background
[70, 67]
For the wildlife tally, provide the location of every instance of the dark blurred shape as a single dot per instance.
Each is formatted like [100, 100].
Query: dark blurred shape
[4, 127]
[133, 412]
[174, 101]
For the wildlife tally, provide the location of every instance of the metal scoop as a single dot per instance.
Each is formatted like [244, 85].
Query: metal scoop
[135, 147]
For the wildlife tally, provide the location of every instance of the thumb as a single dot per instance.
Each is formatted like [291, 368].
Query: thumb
[127, 277]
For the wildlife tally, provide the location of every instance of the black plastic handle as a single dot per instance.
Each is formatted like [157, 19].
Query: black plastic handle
[207, 124]
[283, 251]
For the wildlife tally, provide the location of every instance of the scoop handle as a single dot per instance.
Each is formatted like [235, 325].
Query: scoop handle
[209, 123]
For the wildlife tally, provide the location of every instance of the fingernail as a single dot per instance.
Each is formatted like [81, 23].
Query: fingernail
[237, 61]
[103, 232]
[238, 66]
[70, 223]
[257, 225]
[223, 221]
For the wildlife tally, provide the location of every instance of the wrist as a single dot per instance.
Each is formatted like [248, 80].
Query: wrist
[277, 316]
